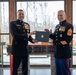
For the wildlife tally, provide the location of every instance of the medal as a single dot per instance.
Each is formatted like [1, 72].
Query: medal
[26, 26]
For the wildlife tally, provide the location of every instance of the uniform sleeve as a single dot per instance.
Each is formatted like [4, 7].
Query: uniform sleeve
[13, 31]
[69, 33]
[30, 37]
[52, 36]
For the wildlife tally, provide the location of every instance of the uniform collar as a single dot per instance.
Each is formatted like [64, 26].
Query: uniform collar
[62, 23]
[19, 21]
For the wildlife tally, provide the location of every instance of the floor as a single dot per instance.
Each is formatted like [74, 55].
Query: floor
[34, 71]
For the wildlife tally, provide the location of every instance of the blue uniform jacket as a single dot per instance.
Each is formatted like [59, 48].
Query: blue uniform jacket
[19, 31]
[63, 32]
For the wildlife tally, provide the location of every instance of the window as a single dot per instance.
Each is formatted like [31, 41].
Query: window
[4, 29]
[41, 15]
[74, 35]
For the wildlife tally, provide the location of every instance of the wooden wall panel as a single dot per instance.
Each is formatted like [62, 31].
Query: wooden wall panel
[12, 13]
[68, 9]
[12, 10]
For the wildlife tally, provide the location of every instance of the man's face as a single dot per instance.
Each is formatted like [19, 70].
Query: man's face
[61, 16]
[20, 15]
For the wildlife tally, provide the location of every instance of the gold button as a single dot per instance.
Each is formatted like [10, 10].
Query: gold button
[56, 30]
[23, 30]
[56, 33]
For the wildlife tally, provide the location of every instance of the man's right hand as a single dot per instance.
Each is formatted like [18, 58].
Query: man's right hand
[31, 33]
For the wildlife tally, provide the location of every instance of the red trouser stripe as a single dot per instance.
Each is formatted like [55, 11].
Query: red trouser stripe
[11, 64]
[67, 67]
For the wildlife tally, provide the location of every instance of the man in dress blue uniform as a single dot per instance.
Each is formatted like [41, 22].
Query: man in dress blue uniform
[21, 34]
[62, 38]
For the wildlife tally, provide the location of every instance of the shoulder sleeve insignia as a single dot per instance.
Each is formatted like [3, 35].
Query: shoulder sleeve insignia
[69, 32]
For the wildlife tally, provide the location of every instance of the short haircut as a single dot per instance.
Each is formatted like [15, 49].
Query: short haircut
[62, 11]
[20, 10]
